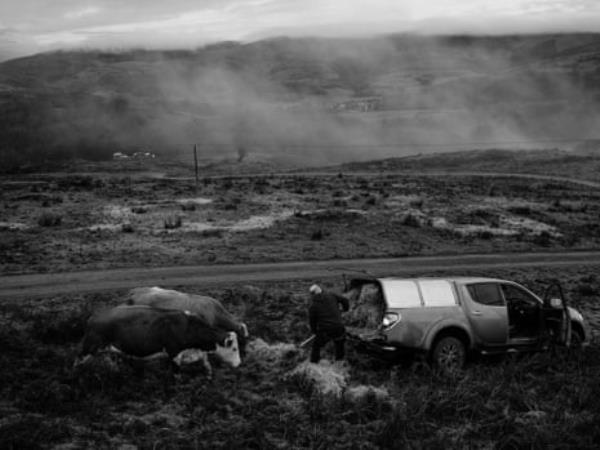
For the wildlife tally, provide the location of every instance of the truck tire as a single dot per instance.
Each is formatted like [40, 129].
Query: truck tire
[449, 354]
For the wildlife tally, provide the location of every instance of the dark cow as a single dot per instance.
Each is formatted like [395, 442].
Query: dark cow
[143, 331]
[208, 308]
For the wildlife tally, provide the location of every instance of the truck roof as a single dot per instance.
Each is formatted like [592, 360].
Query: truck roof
[460, 280]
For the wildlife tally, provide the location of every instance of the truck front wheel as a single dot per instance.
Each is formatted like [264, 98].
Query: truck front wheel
[449, 354]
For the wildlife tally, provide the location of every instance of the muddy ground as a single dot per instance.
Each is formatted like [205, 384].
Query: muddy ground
[271, 401]
[62, 221]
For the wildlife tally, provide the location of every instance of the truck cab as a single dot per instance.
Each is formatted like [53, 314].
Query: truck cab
[448, 318]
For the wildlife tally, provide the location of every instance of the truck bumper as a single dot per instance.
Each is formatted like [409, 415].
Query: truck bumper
[376, 345]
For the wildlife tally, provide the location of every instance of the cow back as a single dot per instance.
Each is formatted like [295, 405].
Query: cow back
[210, 309]
[139, 330]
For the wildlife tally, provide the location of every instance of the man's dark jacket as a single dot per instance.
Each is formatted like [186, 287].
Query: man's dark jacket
[324, 313]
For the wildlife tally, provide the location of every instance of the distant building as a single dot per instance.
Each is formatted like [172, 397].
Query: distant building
[364, 104]
[119, 155]
[144, 155]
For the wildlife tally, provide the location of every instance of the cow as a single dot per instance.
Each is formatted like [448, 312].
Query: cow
[143, 331]
[210, 309]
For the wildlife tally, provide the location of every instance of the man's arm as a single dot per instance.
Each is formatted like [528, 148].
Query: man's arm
[343, 302]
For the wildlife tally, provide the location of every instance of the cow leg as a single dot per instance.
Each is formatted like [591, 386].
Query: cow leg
[206, 365]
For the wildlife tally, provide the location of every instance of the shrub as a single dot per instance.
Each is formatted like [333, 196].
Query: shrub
[127, 228]
[139, 210]
[172, 222]
[542, 239]
[317, 235]
[371, 200]
[188, 206]
[485, 234]
[586, 289]
[49, 219]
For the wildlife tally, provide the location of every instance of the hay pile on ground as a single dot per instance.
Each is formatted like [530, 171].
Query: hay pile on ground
[326, 378]
[362, 391]
[270, 354]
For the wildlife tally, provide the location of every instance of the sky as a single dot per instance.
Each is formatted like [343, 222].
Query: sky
[32, 26]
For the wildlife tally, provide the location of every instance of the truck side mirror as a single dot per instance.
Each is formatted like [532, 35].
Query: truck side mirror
[556, 303]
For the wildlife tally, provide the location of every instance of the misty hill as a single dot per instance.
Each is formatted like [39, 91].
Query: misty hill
[311, 100]
[572, 164]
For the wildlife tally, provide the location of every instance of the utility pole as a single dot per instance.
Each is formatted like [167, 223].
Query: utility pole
[196, 167]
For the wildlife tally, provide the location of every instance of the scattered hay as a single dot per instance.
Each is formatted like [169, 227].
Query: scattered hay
[271, 354]
[13, 226]
[361, 392]
[261, 222]
[194, 201]
[325, 378]
[105, 227]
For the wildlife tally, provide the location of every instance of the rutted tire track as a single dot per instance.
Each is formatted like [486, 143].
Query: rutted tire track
[43, 285]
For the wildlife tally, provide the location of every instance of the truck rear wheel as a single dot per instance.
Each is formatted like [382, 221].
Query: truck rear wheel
[449, 354]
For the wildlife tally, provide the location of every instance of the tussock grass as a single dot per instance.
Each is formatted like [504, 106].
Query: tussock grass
[276, 399]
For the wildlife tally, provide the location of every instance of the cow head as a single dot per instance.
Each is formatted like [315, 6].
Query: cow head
[228, 350]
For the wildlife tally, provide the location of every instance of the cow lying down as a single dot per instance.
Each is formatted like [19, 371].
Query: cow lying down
[144, 331]
[210, 309]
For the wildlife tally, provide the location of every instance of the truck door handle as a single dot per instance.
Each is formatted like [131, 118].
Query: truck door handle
[476, 313]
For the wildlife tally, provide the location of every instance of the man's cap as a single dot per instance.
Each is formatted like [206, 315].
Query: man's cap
[315, 289]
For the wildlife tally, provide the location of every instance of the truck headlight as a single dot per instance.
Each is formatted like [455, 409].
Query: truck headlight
[575, 315]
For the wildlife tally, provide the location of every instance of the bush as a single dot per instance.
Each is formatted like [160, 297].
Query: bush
[172, 222]
[542, 239]
[49, 219]
[316, 235]
[127, 228]
[188, 206]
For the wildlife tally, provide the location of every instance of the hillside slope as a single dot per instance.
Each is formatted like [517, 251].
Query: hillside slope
[317, 100]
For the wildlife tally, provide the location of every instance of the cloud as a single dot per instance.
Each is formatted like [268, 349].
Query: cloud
[156, 23]
[79, 13]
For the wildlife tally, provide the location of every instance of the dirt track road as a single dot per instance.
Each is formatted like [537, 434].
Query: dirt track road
[44, 285]
[349, 173]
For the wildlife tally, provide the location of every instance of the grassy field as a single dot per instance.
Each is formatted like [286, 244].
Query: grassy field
[535, 401]
[62, 221]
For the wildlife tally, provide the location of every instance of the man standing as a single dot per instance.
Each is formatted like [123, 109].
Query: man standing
[325, 320]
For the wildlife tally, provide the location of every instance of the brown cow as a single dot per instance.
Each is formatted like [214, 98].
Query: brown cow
[143, 331]
[210, 309]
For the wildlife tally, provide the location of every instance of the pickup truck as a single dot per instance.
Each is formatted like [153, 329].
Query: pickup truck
[448, 318]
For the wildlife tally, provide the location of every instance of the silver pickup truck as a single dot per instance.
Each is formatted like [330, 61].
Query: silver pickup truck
[447, 318]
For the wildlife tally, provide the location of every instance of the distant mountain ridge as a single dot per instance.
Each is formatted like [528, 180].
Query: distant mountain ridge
[317, 99]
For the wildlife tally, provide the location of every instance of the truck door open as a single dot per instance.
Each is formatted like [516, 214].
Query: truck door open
[556, 318]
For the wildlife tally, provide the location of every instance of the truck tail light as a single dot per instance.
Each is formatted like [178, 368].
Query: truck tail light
[390, 319]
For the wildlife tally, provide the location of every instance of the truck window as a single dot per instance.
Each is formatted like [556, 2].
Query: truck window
[486, 294]
[401, 294]
[437, 293]
[516, 295]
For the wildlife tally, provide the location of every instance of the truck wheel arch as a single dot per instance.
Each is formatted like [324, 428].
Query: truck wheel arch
[455, 331]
